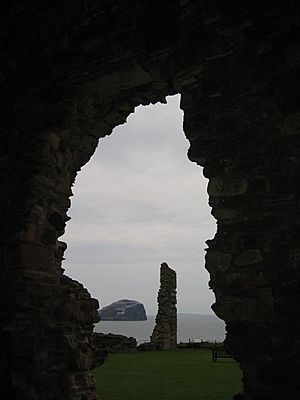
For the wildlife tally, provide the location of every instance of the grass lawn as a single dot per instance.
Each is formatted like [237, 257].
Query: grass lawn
[167, 375]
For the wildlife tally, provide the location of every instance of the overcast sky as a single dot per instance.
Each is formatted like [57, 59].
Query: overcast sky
[137, 203]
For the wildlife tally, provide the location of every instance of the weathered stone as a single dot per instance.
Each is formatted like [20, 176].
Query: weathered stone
[249, 257]
[232, 279]
[267, 299]
[228, 215]
[114, 343]
[164, 335]
[33, 256]
[216, 260]
[64, 84]
[225, 186]
[147, 346]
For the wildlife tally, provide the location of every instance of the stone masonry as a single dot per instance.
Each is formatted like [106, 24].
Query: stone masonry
[70, 72]
[164, 335]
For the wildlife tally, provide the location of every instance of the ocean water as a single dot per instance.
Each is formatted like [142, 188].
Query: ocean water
[189, 326]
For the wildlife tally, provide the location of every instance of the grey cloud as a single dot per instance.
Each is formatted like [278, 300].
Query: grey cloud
[138, 202]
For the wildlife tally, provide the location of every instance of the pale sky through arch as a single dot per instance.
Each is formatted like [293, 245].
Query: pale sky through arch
[138, 202]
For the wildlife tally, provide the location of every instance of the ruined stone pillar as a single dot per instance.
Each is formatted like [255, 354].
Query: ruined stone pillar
[164, 335]
[68, 77]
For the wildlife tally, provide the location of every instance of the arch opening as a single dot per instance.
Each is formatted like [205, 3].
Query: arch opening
[69, 76]
[142, 202]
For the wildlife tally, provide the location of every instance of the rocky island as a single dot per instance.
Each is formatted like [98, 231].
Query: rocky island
[123, 310]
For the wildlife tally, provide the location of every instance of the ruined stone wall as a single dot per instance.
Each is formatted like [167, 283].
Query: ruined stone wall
[164, 335]
[241, 123]
[70, 72]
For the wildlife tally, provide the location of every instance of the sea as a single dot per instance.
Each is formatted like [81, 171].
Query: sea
[190, 327]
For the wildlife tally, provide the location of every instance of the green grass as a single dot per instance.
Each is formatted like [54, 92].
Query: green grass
[167, 375]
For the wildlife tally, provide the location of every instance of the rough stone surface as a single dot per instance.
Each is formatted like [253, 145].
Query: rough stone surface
[123, 310]
[70, 72]
[114, 343]
[164, 335]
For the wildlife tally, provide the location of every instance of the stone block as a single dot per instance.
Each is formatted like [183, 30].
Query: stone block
[227, 186]
[249, 257]
[228, 215]
[33, 256]
[216, 260]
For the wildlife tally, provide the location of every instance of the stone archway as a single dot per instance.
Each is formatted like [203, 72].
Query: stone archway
[64, 85]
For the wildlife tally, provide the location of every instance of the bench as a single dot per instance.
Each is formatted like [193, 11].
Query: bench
[219, 352]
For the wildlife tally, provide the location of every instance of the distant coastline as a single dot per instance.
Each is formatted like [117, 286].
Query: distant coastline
[184, 313]
[190, 326]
